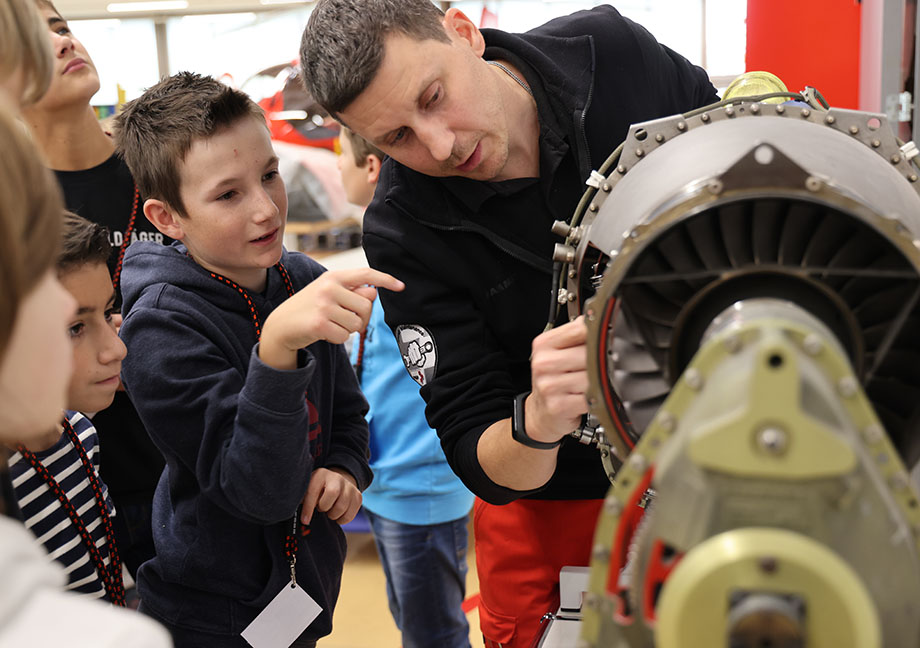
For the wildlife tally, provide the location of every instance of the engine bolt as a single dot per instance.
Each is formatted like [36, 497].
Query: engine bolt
[694, 379]
[659, 138]
[812, 344]
[704, 118]
[639, 152]
[847, 386]
[813, 184]
[872, 434]
[780, 109]
[714, 187]
[806, 113]
[621, 169]
[830, 119]
[773, 439]
[681, 126]
[755, 109]
[854, 129]
[912, 177]
[729, 111]
[895, 158]
[592, 208]
[876, 143]
[605, 187]
[897, 482]
[667, 422]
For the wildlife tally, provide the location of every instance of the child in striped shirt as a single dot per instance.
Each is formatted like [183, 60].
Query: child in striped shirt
[56, 476]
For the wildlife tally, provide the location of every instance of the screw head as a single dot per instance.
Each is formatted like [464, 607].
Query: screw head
[812, 344]
[773, 439]
[694, 379]
[847, 386]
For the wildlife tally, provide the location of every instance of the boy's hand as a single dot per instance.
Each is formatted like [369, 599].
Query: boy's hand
[332, 307]
[332, 491]
[559, 380]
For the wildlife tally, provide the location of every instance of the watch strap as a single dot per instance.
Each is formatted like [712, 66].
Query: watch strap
[519, 432]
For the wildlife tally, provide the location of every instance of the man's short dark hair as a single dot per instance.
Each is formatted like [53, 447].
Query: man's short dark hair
[83, 242]
[155, 131]
[342, 45]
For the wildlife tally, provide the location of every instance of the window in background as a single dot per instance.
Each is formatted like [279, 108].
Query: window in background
[238, 45]
[675, 23]
[125, 54]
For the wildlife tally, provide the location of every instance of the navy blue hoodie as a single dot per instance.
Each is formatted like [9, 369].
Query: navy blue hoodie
[240, 442]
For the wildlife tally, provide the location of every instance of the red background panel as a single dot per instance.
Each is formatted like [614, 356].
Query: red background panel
[807, 42]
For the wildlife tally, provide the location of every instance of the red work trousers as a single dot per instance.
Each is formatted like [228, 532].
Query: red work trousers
[520, 548]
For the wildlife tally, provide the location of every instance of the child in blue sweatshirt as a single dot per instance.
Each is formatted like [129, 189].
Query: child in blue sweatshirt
[236, 367]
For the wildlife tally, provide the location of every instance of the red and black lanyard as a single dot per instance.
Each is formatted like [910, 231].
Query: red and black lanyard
[126, 241]
[290, 538]
[111, 575]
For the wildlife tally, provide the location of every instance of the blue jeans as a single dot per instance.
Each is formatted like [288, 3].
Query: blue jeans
[425, 568]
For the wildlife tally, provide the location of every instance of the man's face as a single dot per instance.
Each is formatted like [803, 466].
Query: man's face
[97, 349]
[436, 108]
[358, 190]
[235, 202]
[75, 79]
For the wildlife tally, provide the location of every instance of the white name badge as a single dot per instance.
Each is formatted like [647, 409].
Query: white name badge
[282, 620]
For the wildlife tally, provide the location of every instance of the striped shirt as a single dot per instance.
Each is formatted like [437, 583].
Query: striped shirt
[46, 518]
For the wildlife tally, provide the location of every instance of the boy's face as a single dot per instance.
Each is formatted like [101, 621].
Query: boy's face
[36, 365]
[358, 190]
[75, 79]
[97, 349]
[235, 201]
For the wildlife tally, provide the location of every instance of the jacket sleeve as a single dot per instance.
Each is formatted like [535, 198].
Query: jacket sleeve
[470, 387]
[242, 438]
[348, 446]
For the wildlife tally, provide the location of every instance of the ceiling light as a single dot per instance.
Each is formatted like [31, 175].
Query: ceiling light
[157, 5]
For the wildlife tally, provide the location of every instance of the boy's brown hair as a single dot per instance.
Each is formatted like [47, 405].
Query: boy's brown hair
[83, 242]
[30, 221]
[360, 147]
[155, 131]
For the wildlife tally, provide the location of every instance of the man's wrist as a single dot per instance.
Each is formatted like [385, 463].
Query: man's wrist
[519, 430]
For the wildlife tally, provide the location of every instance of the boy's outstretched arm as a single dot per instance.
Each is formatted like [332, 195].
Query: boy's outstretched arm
[331, 307]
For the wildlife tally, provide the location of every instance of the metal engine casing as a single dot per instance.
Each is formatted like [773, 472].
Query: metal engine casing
[782, 203]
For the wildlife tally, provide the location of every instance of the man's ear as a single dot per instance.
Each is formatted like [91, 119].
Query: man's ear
[372, 165]
[457, 25]
[164, 218]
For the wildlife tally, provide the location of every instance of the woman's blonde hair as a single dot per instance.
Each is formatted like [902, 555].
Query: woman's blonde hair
[31, 210]
[24, 44]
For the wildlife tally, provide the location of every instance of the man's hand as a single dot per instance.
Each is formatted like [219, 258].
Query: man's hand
[332, 491]
[559, 380]
[332, 307]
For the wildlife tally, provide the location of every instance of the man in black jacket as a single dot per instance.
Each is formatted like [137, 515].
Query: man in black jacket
[490, 138]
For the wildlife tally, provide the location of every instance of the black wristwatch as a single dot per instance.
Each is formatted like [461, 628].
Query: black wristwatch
[519, 433]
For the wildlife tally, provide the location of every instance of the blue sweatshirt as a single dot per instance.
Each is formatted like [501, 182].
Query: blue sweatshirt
[240, 442]
[413, 484]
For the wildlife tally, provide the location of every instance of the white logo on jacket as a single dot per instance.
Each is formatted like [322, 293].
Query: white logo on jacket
[418, 351]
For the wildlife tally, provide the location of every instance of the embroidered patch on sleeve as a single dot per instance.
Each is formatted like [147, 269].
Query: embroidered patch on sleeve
[418, 351]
